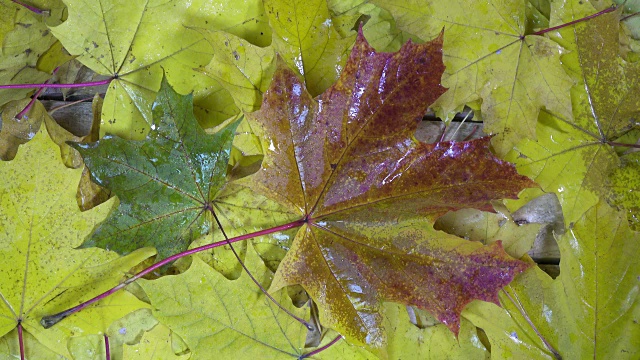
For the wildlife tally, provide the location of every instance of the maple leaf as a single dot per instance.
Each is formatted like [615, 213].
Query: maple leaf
[476, 225]
[164, 183]
[623, 187]
[589, 311]
[574, 156]
[155, 344]
[218, 318]
[40, 224]
[15, 132]
[347, 164]
[136, 335]
[307, 41]
[490, 57]
[170, 184]
[123, 39]
[24, 38]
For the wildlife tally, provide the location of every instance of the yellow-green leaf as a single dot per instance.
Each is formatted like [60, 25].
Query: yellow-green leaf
[136, 42]
[490, 57]
[41, 273]
[305, 37]
[590, 311]
[24, 39]
[220, 319]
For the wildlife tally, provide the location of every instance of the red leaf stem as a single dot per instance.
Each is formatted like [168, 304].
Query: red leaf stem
[264, 291]
[50, 320]
[58, 86]
[612, 143]
[26, 109]
[605, 11]
[30, 8]
[319, 350]
[630, 16]
[107, 351]
[21, 340]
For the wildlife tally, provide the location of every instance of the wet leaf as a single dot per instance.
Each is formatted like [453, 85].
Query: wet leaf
[165, 183]
[624, 187]
[42, 274]
[378, 25]
[369, 193]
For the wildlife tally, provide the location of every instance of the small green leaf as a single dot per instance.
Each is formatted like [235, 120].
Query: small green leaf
[165, 183]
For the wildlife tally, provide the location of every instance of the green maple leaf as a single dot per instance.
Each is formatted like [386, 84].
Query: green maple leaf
[137, 335]
[41, 273]
[590, 311]
[347, 164]
[493, 58]
[165, 183]
[573, 156]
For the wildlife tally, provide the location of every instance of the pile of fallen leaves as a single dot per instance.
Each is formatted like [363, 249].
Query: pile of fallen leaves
[262, 155]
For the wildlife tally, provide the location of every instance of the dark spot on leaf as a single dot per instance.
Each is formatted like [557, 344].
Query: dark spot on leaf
[235, 55]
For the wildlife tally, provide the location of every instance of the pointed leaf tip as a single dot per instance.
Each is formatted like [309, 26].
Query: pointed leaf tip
[348, 163]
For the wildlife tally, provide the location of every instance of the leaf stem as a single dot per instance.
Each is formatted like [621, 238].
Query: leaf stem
[58, 86]
[319, 350]
[605, 11]
[630, 16]
[31, 8]
[107, 351]
[264, 291]
[54, 109]
[26, 109]
[21, 340]
[50, 320]
[613, 143]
